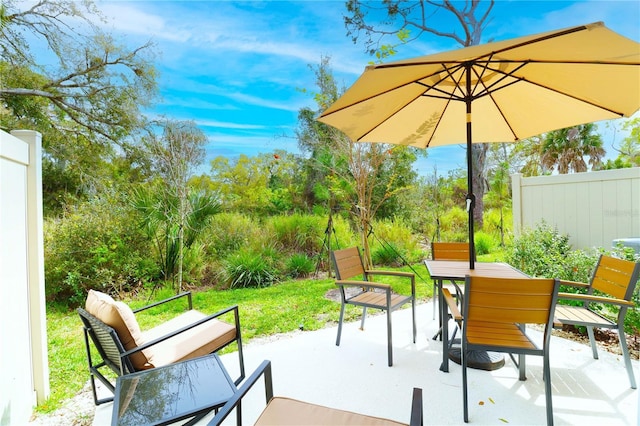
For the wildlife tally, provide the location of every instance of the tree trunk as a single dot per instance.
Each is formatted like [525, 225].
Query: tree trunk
[479, 154]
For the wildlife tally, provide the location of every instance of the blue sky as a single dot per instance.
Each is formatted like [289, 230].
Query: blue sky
[236, 68]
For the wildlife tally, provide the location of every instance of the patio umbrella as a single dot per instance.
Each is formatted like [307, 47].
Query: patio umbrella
[515, 89]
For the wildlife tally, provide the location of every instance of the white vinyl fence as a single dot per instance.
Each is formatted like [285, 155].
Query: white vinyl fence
[24, 371]
[592, 208]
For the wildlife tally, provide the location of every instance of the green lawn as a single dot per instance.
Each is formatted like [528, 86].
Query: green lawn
[280, 308]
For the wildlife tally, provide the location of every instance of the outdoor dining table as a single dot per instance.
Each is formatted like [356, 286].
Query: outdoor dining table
[456, 271]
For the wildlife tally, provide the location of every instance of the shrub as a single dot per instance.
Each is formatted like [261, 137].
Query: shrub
[96, 245]
[229, 232]
[483, 243]
[388, 254]
[299, 265]
[248, 269]
[454, 225]
[299, 233]
[540, 252]
[396, 233]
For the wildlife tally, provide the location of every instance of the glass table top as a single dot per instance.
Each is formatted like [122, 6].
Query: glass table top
[170, 393]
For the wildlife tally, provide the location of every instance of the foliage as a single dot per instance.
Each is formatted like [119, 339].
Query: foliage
[95, 245]
[402, 16]
[629, 149]
[229, 232]
[247, 268]
[483, 243]
[298, 233]
[86, 100]
[173, 212]
[540, 252]
[394, 236]
[157, 219]
[299, 265]
[566, 149]
[388, 254]
[363, 176]
[362, 22]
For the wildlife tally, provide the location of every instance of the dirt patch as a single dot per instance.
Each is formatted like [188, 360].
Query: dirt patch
[607, 339]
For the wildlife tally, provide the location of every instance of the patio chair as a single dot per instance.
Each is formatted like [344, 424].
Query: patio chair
[114, 331]
[494, 317]
[447, 251]
[286, 411]
[611, 288]
[369, 294]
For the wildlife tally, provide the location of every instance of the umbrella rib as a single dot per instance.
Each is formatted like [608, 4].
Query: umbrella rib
[447, 95]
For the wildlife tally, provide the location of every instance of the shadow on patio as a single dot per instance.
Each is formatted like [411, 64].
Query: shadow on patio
[355, 376]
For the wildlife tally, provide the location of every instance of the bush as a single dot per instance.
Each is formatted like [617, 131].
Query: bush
[397, 234]
[299, 233]
[388, 255]
[483, 243]
[96, 245]
[248, 269]
[541, 252]
[229, 232]
[299, 265]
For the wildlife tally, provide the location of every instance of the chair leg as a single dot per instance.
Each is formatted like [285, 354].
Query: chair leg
[592, 340]
[389, 344]
[465, 399]
[625, 353]
[413, 315]
[522, 367]
[364, 317]
[435, 295]
[241, 361]
[546, 375]
[340, 324]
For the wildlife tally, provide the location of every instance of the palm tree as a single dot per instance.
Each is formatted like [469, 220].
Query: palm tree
[567, 148]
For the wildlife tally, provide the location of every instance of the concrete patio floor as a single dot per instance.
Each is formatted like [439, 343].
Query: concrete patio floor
[307, 365]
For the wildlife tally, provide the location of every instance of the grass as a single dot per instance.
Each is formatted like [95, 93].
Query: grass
[280, 308]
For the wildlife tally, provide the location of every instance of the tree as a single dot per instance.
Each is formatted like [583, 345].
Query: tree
[361, 175]
[426, 17]
[566, 149]
[629, 148]
[183, 213]
[61, 75]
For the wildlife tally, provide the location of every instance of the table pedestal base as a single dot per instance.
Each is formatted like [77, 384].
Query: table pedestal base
[480, 360]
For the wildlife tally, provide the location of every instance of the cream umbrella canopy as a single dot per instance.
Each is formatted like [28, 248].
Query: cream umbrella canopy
[514, 88]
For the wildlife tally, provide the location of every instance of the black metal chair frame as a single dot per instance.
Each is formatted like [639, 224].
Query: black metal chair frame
[264, 370]
[114, 356]
[370, 294]
[503, 307]
[618, 285]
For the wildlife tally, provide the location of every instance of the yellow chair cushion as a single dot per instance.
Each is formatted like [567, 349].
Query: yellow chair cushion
[201, 340]
[121, 318]
[286, 411]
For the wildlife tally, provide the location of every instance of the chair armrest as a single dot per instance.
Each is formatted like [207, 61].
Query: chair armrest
[186, 293]
[595, 299]
[416, 408]
[402, 274]
[390, 273]
[451, 302]
[366, 284]
[263, 369]
[574, 284]
[185, 328]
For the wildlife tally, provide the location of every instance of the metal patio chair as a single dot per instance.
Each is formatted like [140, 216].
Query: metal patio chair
[286, 411]
[611, 287]
[369, 294]
[122, 347]
[495, 313]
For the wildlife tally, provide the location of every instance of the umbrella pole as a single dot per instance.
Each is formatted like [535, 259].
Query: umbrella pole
[471, 199]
